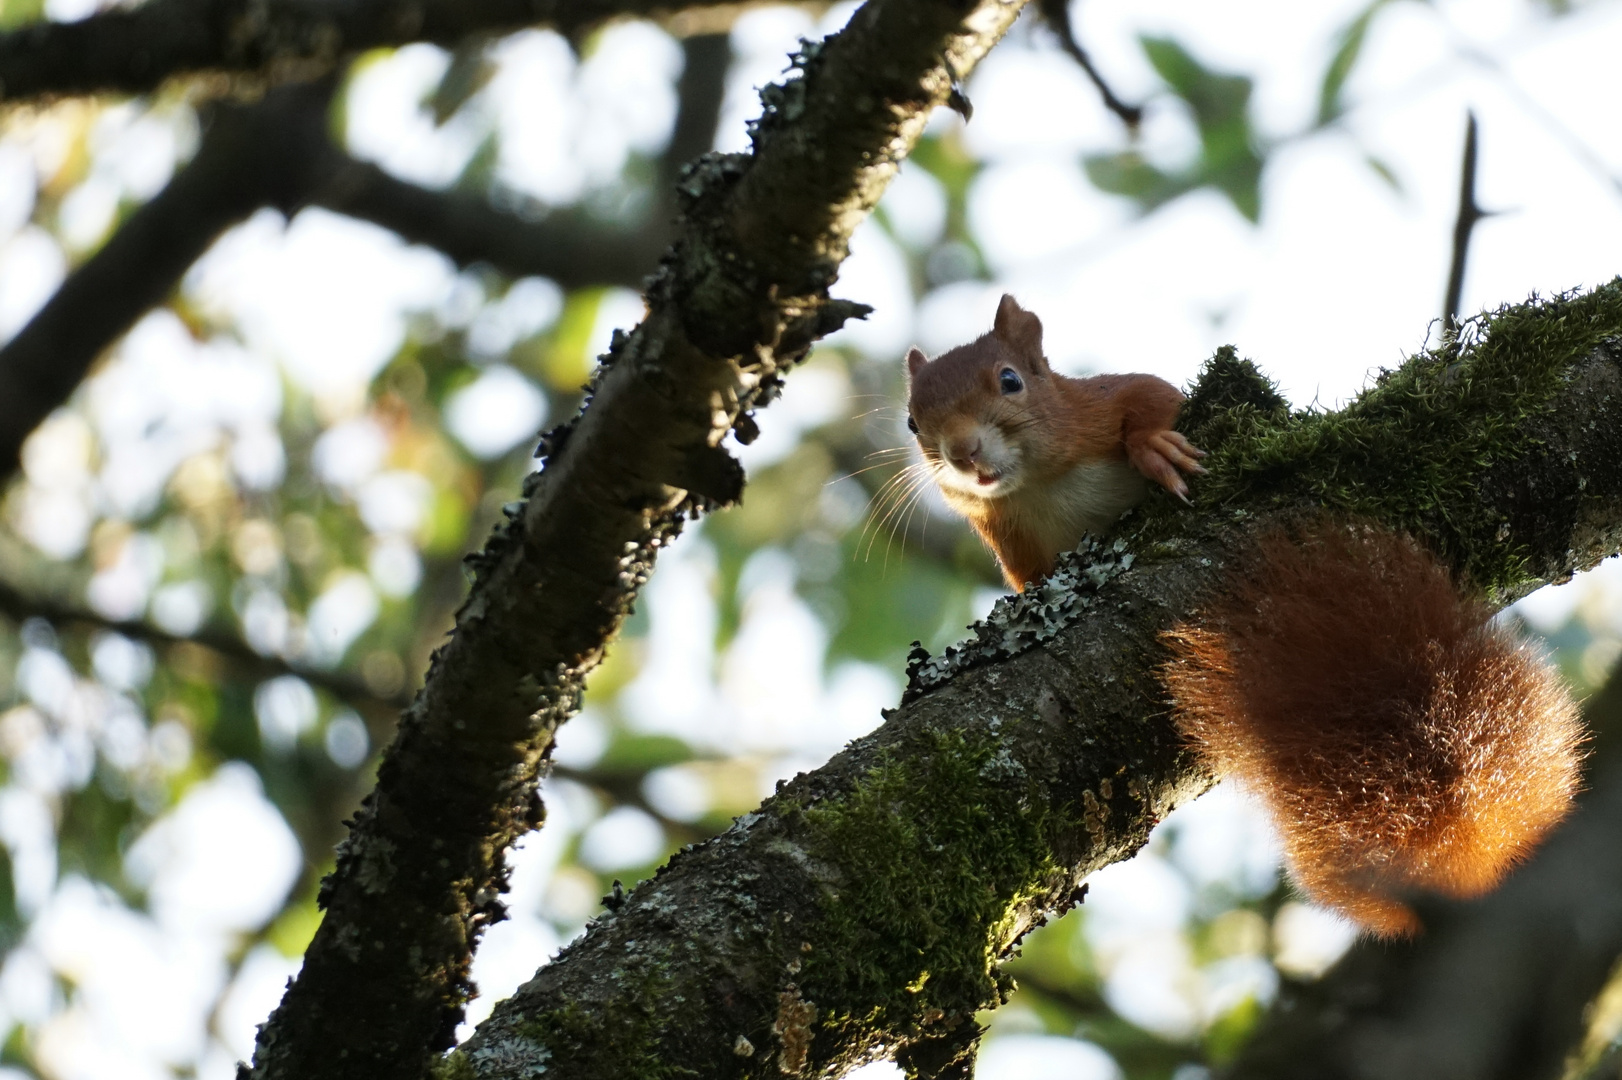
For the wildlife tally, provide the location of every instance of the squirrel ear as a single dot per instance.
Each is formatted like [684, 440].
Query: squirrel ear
[915, 360]
[1018, 328]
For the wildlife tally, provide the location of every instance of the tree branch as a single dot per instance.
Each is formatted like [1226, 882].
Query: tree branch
[249, 156]
[567, 246]
[132, 51]
[740, 300]
[862, 912]
[564, 246]
[279, 153]
[700, 93]
[20, 605]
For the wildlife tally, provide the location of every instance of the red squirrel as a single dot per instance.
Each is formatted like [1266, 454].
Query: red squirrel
[1399, 739]
[1035, 459]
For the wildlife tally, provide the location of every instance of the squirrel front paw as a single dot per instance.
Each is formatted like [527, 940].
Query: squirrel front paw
[1163, 457]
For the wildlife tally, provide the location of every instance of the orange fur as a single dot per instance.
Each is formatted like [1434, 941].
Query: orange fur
[1400, 740]
[1067, 444]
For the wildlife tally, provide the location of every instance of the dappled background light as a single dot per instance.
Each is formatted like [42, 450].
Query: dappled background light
[243, 536]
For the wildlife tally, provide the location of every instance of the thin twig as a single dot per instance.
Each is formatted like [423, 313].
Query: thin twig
[20, 606]
[1469, 214]
[1056, 13]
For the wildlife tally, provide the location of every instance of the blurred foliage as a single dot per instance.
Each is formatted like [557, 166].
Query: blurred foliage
[1230, 158]
[110, 731]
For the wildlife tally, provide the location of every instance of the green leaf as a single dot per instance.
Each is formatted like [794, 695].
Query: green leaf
[640, 753]
[1217, 100]
[95, 825]
[1385, 172]
[1230, 160]
[569, 362]
[945, 158]
[295, 927]
[11, 924]
[887, 596]
[15, 13]
[1229, 1033]
[1347, 51]
[1128, 174]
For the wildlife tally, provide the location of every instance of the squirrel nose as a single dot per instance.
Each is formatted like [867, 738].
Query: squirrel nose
[966, 454]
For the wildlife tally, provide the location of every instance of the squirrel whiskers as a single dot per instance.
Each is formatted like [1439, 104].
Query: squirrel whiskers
[1400, 740]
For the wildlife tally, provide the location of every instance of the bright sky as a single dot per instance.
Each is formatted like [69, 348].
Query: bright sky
[1344, 274]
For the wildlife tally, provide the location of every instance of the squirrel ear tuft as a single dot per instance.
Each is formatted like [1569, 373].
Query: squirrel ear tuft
[1018, 328]
[915, 360]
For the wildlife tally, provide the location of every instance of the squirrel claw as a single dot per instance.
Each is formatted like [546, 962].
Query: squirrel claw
[1163, 457]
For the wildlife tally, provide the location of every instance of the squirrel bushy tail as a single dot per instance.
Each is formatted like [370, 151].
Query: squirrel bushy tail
[1400, 739]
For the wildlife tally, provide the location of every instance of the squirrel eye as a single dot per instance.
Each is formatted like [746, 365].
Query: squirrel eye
[912, 425]
[1010, 382]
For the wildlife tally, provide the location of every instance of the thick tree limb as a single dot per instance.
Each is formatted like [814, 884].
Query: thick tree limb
[742, 297]
[133, 51]
[1496, 988]
[862, 911]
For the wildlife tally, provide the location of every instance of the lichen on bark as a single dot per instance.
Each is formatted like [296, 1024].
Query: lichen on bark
[879, 893]
[737, 304]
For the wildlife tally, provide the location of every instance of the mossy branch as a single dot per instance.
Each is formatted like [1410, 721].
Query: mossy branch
[864, 911]
[740, 299]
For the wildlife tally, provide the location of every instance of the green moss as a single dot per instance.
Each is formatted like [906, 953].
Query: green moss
[454, 1066]
[1413, 449]
[619, 1042]
[939, 842]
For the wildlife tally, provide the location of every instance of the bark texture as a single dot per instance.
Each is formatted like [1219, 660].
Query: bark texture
[741, 299]
[862, 912]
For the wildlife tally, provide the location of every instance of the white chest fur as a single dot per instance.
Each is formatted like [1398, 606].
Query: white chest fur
[1088, 499]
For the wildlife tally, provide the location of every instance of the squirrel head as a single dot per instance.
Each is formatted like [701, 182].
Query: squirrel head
[983, 412]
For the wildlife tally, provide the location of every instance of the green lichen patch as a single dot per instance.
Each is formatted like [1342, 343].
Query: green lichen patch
[1413, 449]
[941, 845]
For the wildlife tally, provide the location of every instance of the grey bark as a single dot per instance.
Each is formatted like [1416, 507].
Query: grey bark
[862, 912]
[740, 300]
